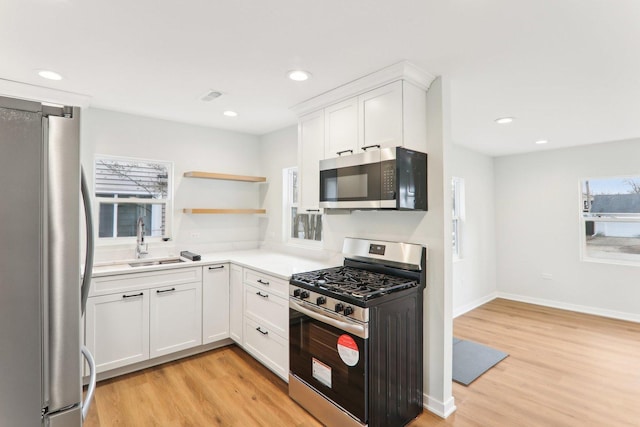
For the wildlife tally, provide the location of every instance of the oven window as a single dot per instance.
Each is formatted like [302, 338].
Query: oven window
[318, 357]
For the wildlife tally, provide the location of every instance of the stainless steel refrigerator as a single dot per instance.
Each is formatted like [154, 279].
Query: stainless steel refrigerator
[42, 294]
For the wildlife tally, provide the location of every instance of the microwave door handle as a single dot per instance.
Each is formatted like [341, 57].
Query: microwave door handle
[361, 331]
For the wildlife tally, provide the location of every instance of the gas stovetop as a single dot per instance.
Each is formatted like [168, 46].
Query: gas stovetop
[352, 283]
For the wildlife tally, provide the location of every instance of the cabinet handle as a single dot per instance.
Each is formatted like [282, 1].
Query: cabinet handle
[133, 295]
[261, 331]
[340, 153]
[370, 146]
[216, 268]
[262, 295]
[313, 210]
[262, 282]
[165, 290]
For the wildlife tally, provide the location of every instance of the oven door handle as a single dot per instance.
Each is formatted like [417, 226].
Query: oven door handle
[357, 329]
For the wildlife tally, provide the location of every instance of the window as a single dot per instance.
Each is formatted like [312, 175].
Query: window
[301, 227]
[127, 189]
[610, 216]
[457, 191]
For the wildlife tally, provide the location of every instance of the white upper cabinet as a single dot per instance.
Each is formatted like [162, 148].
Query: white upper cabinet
[341, 128]
[380, 117]
[386, 109]
[310, 152]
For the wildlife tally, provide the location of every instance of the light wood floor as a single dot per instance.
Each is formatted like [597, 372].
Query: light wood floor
[563, 369]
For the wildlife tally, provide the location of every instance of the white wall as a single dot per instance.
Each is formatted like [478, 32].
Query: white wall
[278, 150]
[474, 273]
[538, 232]
[189, 147]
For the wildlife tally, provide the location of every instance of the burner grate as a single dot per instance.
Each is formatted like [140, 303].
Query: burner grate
[354, 282]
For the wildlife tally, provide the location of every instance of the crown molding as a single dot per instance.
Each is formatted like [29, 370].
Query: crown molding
[404, 70]
[37, 93]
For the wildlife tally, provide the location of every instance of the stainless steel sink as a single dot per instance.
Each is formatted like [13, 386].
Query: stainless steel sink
[156, 262]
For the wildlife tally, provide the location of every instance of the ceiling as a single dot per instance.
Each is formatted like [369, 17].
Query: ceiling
[567, 70]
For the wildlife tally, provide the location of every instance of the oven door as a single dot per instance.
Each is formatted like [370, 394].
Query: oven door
[351, 181]
[330, 355]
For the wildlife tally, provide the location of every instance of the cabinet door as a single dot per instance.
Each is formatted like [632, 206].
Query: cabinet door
[117, 329]
[341, 128]
[310, 152]
[236, 306]
[381, 116]
[215, 303]
[175, 318]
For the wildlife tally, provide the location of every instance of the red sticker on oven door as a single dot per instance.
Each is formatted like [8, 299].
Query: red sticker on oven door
[348, 350]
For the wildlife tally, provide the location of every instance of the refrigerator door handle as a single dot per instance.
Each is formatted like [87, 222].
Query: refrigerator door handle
[92, 381]
[61, 262]
[88, 262]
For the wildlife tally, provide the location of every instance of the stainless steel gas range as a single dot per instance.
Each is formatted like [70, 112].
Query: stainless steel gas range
[355, 336]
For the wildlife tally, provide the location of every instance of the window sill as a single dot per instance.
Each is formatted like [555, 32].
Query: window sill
[622, 262]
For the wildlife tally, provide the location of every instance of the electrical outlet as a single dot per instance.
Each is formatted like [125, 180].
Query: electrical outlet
[547, 276]
[195, 235]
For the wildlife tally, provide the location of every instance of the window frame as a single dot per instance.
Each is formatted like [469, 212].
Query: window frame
[167, 202]
[289, 202]
[584, 204]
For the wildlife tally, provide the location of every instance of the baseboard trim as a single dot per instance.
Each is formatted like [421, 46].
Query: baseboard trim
[439, 408]
[619, 315]
[474, 304]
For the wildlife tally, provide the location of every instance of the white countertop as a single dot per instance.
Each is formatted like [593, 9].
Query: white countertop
[269, 262]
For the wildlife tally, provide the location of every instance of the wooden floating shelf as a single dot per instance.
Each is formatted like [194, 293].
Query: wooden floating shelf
[227, 177]
[225, 211]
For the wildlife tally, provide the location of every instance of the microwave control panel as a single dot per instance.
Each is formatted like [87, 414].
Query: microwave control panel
[388, 190]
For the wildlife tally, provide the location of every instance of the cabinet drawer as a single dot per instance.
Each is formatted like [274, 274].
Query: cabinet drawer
[266, 282]
[131, 281]
[269, 348]
[267, 308]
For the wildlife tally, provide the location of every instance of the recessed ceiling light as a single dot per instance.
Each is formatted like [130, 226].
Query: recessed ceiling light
[50, 75]
[504, 120]
[230, 113]
[298, 75]
[541, 141]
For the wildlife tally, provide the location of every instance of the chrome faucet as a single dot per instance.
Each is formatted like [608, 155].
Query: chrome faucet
[141, 247]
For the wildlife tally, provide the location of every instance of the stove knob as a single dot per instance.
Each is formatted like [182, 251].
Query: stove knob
[304, 294]
[296, 292]
[339, 307]
[348, 311]
[321, 300]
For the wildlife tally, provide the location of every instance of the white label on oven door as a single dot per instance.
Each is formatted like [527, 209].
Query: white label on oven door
[348, 350]
[321, 372]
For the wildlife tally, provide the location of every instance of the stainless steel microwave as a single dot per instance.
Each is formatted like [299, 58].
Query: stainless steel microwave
[389, 178]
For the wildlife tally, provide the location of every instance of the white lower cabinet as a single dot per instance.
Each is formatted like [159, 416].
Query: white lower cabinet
[215, 303]
[135, 317]
[144, 315]
[236, 306]
[117, 329]
[175, 318]
[266, 320]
